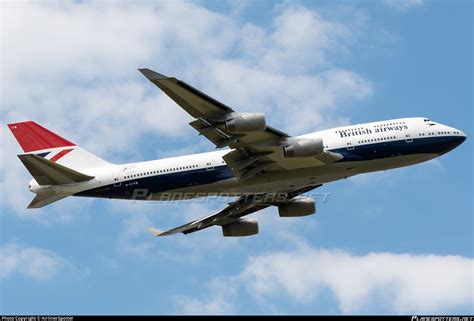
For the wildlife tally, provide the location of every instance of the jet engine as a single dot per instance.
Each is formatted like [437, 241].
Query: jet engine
[306, 147]
[246, 122]
[241, 227]
[298, 206]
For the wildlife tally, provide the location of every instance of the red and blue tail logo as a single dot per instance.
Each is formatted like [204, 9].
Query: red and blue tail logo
[33, 137]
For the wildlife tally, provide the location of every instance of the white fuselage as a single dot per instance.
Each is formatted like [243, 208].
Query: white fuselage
[365, 148]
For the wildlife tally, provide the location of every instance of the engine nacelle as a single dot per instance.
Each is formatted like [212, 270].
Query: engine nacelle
[298, 206]
[305, 147]
[246, 122]
[241, 227]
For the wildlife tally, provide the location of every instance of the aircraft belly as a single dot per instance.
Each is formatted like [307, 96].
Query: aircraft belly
[222, 182]
[299, 178]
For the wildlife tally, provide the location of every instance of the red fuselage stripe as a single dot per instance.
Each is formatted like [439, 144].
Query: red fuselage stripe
[60, 155]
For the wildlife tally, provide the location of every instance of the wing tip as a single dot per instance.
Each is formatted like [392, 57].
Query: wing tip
[155, 231]
[151, 75]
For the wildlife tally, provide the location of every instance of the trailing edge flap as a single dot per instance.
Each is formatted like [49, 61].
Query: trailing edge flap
[45, 172]
[43, 200]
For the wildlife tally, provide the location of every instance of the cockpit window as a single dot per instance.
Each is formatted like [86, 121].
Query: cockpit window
[426, 119]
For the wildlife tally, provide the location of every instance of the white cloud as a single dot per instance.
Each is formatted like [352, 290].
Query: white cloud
[134, 239]
[215, 305]
[72, 67]
[220, 301]
[406, 283]
[30, 262]
[85, 72]
[93, 78]
[374, 282]
[310, 100]
[302, 37]
[403, 5]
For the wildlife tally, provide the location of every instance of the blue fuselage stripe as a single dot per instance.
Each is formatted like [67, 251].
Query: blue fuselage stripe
[385, 149]
[161, 183]
[182, 179]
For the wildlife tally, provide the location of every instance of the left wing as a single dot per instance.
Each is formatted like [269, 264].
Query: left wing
[211, 115]
[257, 147]
[244, 205]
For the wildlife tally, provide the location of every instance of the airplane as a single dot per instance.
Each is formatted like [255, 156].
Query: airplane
[260, 166]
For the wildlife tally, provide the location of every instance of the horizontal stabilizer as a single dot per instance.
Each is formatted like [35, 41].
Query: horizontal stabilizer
[45, 172]
[43, 200]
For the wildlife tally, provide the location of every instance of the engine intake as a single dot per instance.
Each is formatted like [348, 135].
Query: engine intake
[241, 227]
[246, 122]
[306, 147]
[298, 206]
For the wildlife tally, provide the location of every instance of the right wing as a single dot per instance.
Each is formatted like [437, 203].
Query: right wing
[244, 205]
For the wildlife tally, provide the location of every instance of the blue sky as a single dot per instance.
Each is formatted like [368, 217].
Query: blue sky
[399, 241]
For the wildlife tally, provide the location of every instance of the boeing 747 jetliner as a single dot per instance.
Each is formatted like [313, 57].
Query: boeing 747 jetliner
[263, 166]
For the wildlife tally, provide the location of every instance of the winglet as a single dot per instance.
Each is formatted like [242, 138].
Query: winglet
[152, 75]
[154, 231]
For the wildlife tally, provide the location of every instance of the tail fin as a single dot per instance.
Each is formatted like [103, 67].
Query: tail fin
[35, 139]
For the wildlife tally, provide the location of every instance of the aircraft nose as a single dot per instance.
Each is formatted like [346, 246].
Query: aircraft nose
[451, 142]
[459, 140]
[460, 136]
